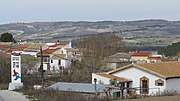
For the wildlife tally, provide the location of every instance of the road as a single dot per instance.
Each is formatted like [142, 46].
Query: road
[6, 95]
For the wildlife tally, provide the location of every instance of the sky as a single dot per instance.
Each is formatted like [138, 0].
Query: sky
[87, 10]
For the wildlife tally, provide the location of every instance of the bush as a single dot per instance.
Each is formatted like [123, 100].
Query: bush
[55, 95]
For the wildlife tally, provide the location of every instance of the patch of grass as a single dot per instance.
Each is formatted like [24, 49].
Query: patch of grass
[55, 95]
[4, 86]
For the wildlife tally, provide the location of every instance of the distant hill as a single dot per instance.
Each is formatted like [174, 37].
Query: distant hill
[135, 33]
[172, 50]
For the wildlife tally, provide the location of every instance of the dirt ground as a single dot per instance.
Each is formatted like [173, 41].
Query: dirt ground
[163, 98]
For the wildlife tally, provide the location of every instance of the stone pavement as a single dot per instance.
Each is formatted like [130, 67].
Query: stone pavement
[6, 95]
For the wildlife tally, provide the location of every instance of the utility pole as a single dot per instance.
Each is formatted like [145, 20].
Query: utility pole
[95, 86]
[41, 68]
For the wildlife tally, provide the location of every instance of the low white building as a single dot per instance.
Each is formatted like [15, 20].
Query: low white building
[59, 62]
[46, 54]
[148, 78]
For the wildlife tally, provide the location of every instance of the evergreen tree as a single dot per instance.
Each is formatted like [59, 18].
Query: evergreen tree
[7, 37]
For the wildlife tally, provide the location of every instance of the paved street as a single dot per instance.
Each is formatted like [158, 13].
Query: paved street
[6, 95]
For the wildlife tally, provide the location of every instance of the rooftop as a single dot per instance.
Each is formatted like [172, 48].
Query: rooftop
[120, 79]
[62, 56]
[118, 57]
[141, 54]
[21, 47]
[121, 55]
[79, 87]
[34, 47]
[162, 69]
[48, 51]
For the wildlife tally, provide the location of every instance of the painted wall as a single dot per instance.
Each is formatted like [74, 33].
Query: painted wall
[30, 53]
[68, 45]
[141, 58]
[67, 63]
[135, 74]
[173, 84]
[55, 64]
[100, 79]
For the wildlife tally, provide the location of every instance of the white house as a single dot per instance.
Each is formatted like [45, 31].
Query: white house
[60, 61]
[46, 54]
[58, 56]
[147, 78]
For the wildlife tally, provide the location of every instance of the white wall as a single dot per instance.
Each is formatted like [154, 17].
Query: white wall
[68, 45]
[100, 78]
[173, 84]
[31, 53]
[57, 52]
[55, 64]
[135, 74]
[67, 64]
[45, 66]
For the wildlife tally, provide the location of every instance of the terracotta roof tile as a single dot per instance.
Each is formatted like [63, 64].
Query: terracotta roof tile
[141, 54]
[9, 50]
[168, 69]
[21, 47]
[57, 56]
[4, 47]
[163, 69]
[34, 46]
[48, 51]
[63, 56]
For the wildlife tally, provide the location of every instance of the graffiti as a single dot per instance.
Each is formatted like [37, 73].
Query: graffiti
[16, 75]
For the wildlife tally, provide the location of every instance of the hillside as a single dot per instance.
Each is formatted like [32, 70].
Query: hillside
[135, 33]
[172, 50]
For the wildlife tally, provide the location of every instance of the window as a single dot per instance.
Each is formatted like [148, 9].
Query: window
[59, 63]
[159, 82]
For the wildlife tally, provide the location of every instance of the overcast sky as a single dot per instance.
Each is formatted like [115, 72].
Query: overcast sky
[87, 10]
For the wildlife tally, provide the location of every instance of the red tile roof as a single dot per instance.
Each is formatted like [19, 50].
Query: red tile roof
[59, 44]
[49, 51]
[141, 54]
[4, 47]
[21, 47]
[9, 50]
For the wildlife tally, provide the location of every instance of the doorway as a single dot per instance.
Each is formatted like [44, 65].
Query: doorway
[144, 85]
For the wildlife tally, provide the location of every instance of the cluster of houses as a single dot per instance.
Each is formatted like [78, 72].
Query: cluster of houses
[122, 59]
[139, 72]
[55, 56]
[144, 73]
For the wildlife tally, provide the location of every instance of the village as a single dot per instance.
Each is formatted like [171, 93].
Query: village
[133, 74]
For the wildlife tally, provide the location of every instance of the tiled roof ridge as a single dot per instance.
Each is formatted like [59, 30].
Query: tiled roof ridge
[140, 66]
